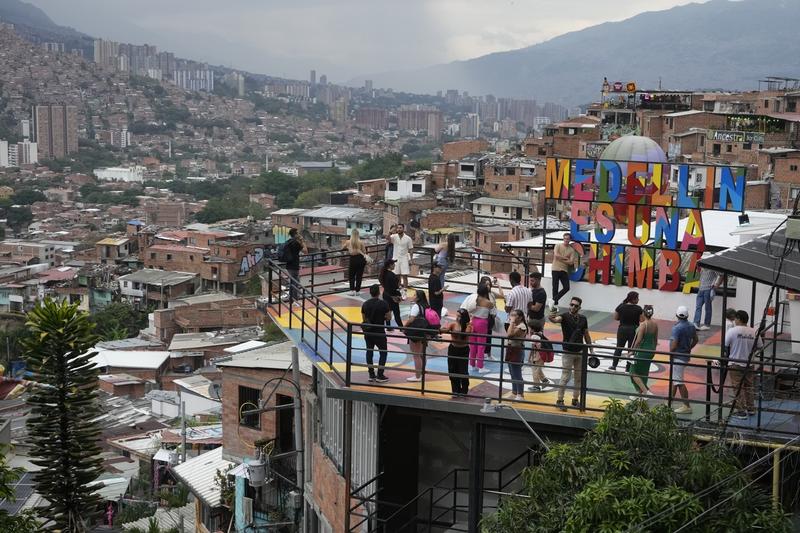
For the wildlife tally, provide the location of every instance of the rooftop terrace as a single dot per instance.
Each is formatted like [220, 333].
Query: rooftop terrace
[326, 326]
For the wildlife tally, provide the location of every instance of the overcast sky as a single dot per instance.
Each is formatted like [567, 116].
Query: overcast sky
[341, 38]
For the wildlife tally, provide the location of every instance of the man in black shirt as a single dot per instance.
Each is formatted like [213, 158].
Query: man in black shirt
[435, 289]
[629, 314]
[575, 330]
[537, 303]
[291, 255]
[375, 311]
[536, 325]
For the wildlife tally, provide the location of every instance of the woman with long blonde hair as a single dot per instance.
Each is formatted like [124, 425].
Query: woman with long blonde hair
[358, 260]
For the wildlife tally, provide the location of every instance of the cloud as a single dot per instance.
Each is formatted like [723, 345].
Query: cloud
[342, 38]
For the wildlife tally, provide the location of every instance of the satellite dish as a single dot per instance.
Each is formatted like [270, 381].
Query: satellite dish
[215, 391]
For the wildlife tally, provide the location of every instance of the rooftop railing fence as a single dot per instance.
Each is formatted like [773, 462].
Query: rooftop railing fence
[330, 335]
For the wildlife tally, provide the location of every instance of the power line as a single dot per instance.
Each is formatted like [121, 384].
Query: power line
[729, 498]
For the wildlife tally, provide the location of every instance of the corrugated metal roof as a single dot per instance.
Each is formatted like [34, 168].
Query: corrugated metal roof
[199, 473]
[152, 276]
[130, 359]
[274, 357]
[505, 202]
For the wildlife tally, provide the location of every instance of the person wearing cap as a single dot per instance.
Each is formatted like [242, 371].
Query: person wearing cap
[709, 283]
[742, 341]
[681, 342]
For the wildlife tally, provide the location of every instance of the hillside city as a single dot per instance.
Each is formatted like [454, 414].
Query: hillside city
[234, 386]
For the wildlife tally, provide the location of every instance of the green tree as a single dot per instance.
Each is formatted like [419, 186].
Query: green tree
[62, 432]
[117, 318]
[19, 218]
[27, 197]
[637, 464]
[312, 197]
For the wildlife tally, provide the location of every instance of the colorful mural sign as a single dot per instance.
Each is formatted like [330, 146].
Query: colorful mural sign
[652, 248]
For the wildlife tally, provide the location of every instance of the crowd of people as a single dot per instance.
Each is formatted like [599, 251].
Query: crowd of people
[474, 330]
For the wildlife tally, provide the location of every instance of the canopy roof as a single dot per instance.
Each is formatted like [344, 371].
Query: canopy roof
[751, 261]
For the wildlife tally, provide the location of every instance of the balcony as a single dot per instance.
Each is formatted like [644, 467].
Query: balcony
[325, 322]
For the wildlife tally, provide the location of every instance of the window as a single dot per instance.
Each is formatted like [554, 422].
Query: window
[334, 222]
[485, 239]
[495, 186]
[717, 149]
[729, 148]
[505, 210]
[491, 209]
[527, 188]
[393, 186]
[227, 252]
[794, 192]
[214, 270]
[509, 187]
[191, 258]
[793, 168]
[248, 400]
[416, 187]
[152, 255]
[747, 146]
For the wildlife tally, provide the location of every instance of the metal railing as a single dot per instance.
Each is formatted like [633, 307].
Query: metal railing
[330, 334]
[441, 505]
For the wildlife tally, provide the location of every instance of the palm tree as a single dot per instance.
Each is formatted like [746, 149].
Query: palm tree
[62, 432]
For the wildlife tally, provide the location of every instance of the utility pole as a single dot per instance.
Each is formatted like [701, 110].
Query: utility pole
[298, 432]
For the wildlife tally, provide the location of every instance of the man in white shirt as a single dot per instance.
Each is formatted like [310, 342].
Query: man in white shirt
[520, 296]
[740, 341]
[402, 245]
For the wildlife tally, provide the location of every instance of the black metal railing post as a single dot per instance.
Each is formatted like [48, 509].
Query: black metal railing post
[269, 283]
[709, 382]
[584, 385]
[348, 367]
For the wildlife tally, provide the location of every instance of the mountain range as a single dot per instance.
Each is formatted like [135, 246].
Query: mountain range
[720, 44]
[717, 44]
[33, 24]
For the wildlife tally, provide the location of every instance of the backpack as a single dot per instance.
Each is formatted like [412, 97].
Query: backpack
[415, 331]
[284, 253]
[545, 348]
[433, 318]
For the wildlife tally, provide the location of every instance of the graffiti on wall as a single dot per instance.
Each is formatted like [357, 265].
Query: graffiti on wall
[251, 260]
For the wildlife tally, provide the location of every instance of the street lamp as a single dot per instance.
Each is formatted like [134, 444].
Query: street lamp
[490, 408]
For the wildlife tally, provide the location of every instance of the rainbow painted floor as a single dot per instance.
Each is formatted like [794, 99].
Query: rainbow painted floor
[315, 338]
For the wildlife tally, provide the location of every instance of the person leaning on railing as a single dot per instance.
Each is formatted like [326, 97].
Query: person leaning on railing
[740, 341]
[575, 331]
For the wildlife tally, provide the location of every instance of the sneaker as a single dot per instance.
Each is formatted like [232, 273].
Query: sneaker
[751, 412]
[381, 379]
[648, 392]
[634, 397]
[611, 369]
[742, 415]
[704, 328]
[484, 370]
[575, 402]
[545, 381]
[560, 405]
[519, 398]
[372, 378]
[297, 304]
[682, 410]
[414, 379]
[534, 388]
